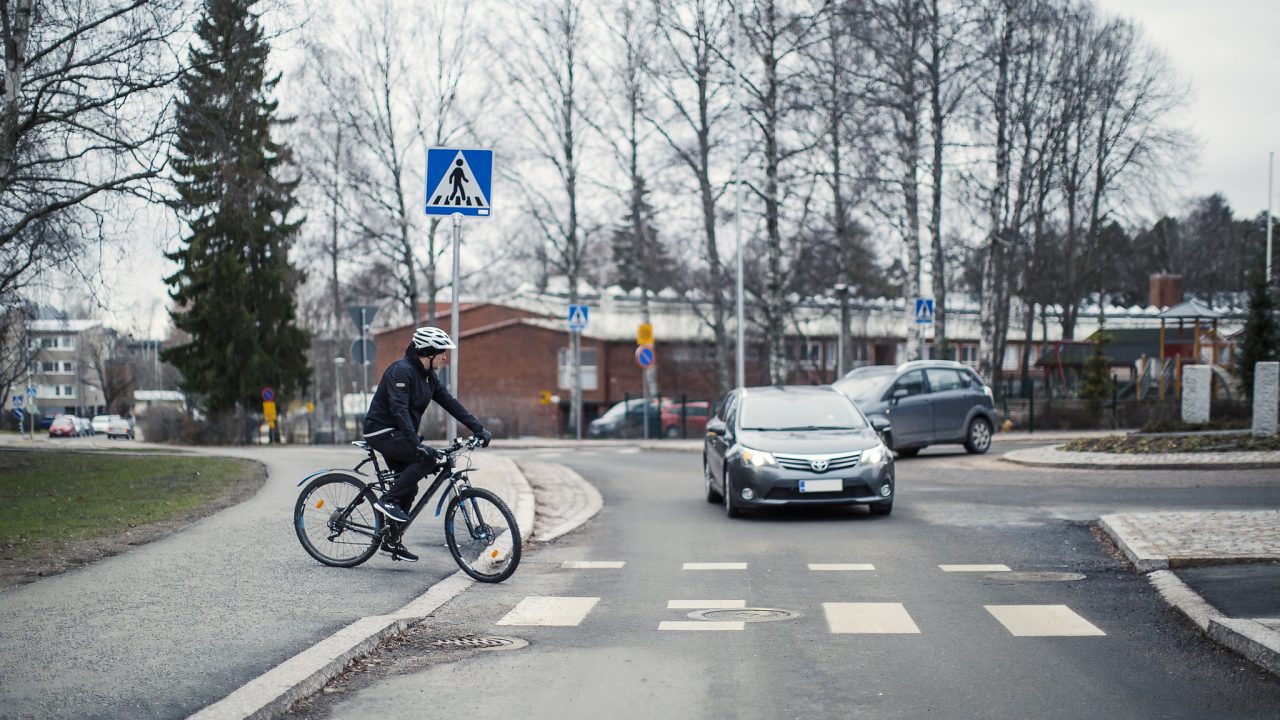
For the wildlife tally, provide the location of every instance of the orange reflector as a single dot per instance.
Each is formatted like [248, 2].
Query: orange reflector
[494, 554]
[320, 505]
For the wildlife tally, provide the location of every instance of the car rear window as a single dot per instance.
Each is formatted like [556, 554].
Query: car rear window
[801, 412]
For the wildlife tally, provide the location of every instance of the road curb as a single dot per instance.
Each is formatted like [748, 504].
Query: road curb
[1128, 539]
[585, 500]
[1248, 638]
[1056, 458]
[274, 692]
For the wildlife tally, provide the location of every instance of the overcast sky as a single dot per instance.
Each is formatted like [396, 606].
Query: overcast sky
[1228, 50]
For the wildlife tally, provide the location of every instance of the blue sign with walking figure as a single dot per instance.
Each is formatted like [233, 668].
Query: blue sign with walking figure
[459, 181]
[577, 317]
[924, 311]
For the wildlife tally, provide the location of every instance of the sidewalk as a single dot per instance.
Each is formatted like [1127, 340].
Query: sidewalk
[1219, 568]
[1056, 457]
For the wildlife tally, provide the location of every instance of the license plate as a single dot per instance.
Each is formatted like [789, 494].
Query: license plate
[810, 486]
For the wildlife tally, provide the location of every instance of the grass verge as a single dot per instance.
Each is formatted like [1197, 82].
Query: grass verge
[1140, 444]
[63, 509]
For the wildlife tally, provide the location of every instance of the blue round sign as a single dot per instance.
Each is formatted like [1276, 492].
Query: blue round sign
[644, 356]
[268, 394]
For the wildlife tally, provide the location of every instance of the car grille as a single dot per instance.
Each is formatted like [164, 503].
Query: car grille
[805, 462]
[851, 490]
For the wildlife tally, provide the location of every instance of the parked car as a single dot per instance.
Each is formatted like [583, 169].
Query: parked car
[119, 427]
[100, 423]
[685, 419]
[626, 419]
[795, 445]
[928, 402]
[64, 426]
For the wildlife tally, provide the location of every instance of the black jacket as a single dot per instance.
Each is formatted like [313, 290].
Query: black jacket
[404, 393]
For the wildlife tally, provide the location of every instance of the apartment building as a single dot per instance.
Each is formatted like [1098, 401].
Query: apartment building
[63, 369]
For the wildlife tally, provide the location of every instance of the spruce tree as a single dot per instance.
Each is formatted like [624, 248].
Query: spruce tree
[1261, 338]
[234, 288]
[1096, 385]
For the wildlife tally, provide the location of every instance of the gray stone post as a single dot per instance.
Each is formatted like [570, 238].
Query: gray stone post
[1266, 398]
[1197, 381]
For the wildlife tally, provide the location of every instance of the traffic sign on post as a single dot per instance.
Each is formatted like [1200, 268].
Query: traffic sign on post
[363, 351]
[644, 334]
[645, 356]
[268, 394]
[578, 317]
[459, 181]
[924, 311]
[362, 315]
[17, 402]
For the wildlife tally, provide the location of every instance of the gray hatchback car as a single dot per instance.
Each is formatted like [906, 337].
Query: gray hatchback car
[928, 402]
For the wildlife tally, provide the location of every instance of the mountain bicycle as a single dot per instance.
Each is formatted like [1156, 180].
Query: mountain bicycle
[337, 525]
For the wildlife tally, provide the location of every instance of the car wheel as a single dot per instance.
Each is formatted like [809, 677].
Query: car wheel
[881, 508]
[730, 507]
[909, 452]
[713, 495]
[978, 440]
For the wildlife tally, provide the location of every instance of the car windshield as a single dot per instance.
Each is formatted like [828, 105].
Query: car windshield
[866, 387]
[827, 411]
[62, 422]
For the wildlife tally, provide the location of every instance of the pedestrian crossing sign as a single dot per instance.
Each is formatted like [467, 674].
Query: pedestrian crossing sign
[924, 311]
[459, 181]
[577, 317]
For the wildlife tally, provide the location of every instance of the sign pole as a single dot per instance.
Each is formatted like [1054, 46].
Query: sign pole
[364, 351]
[455, 372]
[1271, 162]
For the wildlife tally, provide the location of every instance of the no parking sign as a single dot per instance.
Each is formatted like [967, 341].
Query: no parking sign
[645, 356]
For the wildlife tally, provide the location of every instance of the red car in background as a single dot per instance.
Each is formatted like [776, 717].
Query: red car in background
[64, 426]
[692, 422]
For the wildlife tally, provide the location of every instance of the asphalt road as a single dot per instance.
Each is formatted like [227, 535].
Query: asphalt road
[949, 647]
[169, 627]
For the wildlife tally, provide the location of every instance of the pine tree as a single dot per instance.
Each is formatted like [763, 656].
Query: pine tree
[1261, 339]
[649, 262]
[234, 287]
[1095, 385]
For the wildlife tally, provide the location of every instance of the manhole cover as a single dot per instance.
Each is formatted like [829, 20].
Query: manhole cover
[1015, 577]
[478, 642]
[745, 615]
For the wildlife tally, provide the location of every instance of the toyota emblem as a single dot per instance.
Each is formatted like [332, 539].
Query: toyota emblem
[818, 465]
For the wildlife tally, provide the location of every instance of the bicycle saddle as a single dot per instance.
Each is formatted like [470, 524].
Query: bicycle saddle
[361, 444]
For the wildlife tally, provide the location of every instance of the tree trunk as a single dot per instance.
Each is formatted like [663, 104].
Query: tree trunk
[935, 212]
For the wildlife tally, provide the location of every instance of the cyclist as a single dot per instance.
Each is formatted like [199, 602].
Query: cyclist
[391, 425]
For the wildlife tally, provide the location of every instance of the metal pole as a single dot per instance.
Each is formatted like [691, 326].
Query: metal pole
[576, 336]
[1271, 161]
[338, 362]
[737, 239]
[364, 357]
[456, 362]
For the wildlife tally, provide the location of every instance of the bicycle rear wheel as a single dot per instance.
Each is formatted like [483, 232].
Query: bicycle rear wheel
[482, 535]
[335, 521]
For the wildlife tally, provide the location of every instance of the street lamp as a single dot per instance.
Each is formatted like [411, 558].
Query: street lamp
[338, 362]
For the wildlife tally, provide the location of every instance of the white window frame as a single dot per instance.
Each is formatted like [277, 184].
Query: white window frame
[590, 369]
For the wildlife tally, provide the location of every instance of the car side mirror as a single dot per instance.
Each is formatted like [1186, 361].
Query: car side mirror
[881, 425]
[716, 426]
[899, 393]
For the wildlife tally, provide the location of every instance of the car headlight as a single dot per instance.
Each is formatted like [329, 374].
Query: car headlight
[757, 458]
[875, 455]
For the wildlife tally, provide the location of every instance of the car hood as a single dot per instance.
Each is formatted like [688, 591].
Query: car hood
[810, 442]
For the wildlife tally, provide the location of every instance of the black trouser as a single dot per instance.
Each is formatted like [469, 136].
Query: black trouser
[400, 450]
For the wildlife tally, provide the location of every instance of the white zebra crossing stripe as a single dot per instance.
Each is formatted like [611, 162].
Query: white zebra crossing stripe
[974, 568]
[552, 611]
[869, 618]
[706, 604]
[715, 566]
[840, 567]
[1042, 621]
[701, 626]
[591, 565]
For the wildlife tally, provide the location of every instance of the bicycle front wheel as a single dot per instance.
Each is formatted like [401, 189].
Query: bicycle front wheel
[482, 535]
[335, 521]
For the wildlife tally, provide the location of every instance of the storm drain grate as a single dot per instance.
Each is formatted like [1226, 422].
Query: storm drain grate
[481, 642]
[745, 615]
[1044, 576]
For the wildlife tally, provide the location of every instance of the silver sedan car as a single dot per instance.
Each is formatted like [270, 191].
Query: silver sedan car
[795, 445]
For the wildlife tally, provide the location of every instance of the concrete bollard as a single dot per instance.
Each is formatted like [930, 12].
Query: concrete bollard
[1197, 382]
[1266, 398]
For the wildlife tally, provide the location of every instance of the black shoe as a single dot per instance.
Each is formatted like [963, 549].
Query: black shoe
[391, 510]
[398, 552]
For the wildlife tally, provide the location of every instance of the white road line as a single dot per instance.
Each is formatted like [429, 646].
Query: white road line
[869, 618]
[554, 611]
[974, 568]
[716, 566]
[840, 567]
[591, 565]
[701, 626]
[706, 604]
[1042, 621]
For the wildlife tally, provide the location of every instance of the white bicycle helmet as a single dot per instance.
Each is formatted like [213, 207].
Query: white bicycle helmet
[432, 341]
